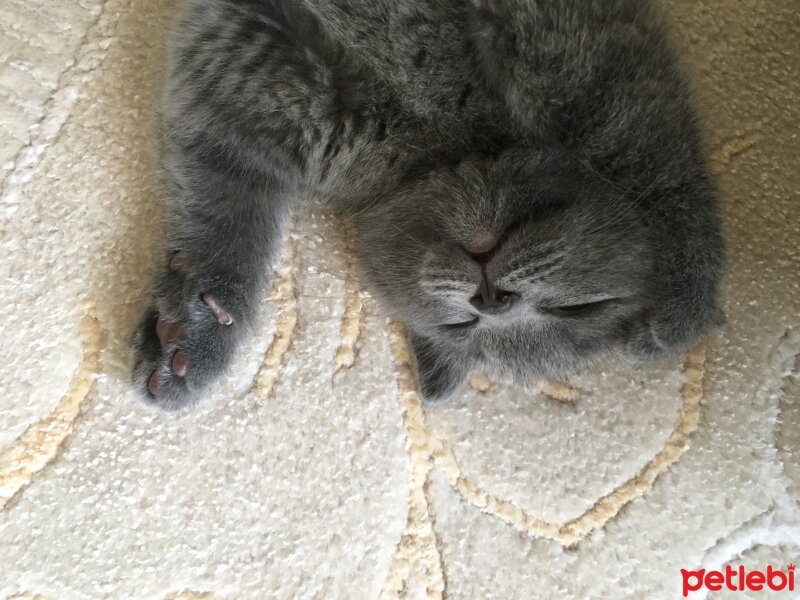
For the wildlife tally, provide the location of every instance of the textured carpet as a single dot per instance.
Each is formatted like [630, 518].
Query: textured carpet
[313, 472]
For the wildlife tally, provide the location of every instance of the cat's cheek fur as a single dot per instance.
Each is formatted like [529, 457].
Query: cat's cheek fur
[439, 374]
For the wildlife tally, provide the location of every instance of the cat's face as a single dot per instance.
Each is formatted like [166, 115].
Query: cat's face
[516, 265]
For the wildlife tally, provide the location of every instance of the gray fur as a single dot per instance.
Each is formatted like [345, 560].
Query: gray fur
[565, 124]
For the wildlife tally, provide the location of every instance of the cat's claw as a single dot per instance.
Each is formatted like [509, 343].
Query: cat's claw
[223, 316]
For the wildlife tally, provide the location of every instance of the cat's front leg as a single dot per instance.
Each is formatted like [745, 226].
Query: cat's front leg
[684, 303]
[225, 226]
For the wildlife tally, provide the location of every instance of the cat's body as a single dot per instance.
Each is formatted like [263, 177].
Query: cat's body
[526, 179]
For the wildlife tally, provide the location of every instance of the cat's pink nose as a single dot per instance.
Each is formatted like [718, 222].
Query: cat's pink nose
[482, 243]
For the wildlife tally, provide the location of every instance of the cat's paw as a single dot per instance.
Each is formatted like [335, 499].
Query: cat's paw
[439, 374]
[187, 336]
[655, 337]
[645, 343]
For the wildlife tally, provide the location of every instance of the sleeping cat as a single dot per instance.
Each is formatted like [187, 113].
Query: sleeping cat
[526, 178]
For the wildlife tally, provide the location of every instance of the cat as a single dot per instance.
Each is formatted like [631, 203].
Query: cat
[527, 180]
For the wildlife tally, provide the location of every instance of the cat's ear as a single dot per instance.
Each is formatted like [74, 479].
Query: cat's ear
[438, 374]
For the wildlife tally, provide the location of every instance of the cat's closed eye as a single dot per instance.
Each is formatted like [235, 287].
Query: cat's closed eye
[578, 310]
[461, 325]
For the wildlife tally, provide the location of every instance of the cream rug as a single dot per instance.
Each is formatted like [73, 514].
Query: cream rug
[314, 472]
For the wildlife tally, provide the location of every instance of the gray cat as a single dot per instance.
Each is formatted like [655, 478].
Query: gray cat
[526, 177]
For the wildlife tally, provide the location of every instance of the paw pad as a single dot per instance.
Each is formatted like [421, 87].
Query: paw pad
[180, 363]
[179, 261]
[154, 383]
[169, 333]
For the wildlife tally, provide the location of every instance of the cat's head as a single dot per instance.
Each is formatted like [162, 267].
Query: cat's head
[525, 265]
